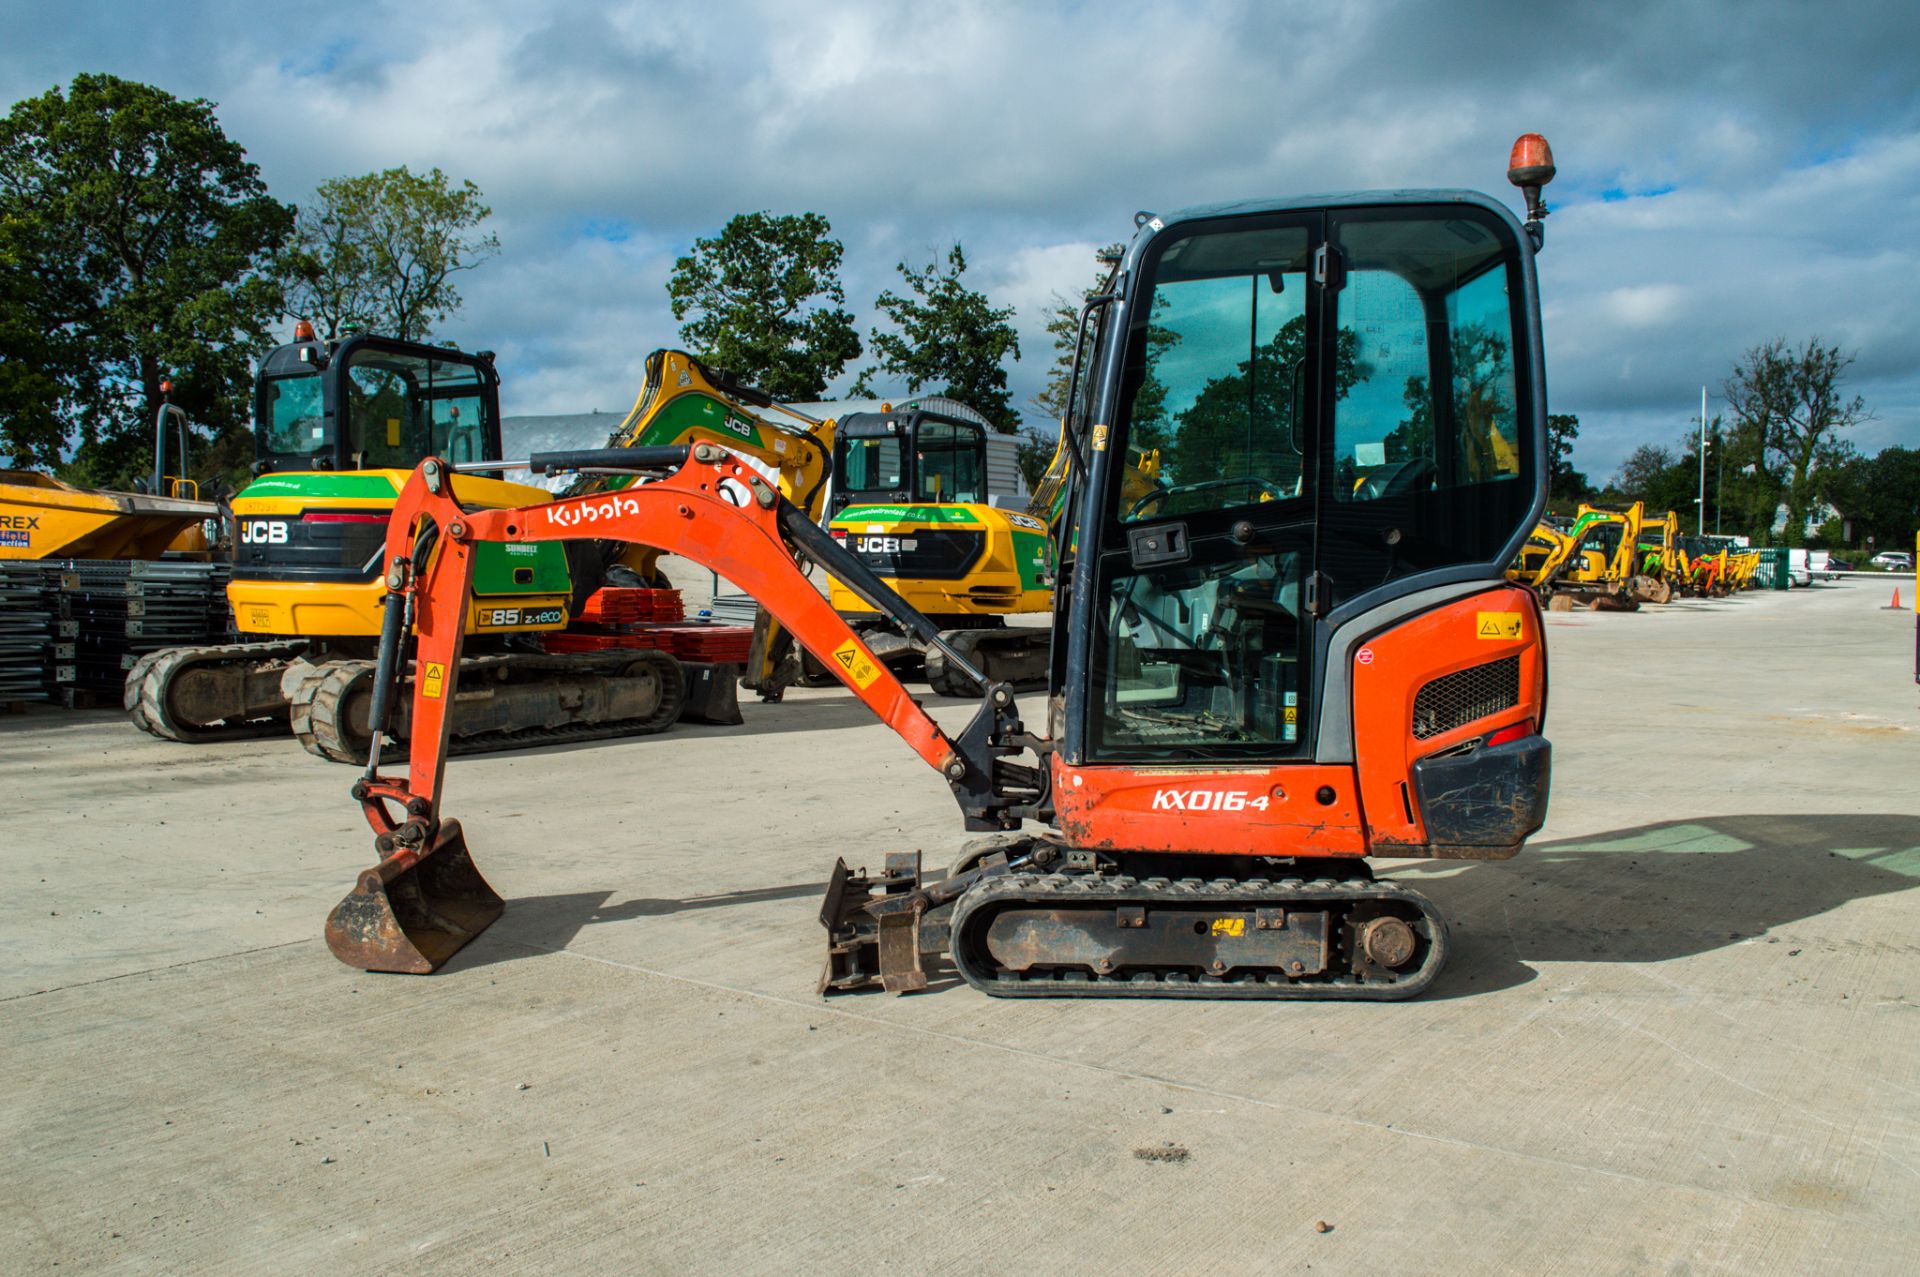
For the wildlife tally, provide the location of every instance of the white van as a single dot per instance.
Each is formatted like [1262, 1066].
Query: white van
[1799, 567]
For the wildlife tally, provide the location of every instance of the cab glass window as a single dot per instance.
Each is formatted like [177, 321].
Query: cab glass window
[401, 408]
[873, 465]
[1222, 379]
[950, 462]
[1425, 393]
[295, 421]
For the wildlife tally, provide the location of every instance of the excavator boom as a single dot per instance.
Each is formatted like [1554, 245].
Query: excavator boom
[426, 899]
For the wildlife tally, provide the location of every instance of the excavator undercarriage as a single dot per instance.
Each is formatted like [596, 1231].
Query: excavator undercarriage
[1034, 920]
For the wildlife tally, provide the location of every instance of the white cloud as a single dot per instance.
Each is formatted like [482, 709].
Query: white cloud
[1730, 172]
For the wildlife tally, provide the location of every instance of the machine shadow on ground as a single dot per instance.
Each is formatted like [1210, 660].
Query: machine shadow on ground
[1648, 894]
[1656, 892]
[534, 925]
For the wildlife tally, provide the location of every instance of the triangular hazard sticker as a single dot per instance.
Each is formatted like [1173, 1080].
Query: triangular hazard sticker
[846, 656]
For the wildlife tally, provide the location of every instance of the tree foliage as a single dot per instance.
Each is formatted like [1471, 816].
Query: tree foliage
[1482, 398]
[1242, 423]
[764, 296]
[136, 241]
[947, 337]
[380, 251]
[1642, 470]
[1564, 483]
[1792, 401]
[1879, 496]
[1063, 325]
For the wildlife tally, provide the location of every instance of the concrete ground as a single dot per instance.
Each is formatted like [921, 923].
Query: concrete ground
[1680, 1033]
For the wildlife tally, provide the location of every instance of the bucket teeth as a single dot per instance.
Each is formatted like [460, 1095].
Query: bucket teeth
[410, 913]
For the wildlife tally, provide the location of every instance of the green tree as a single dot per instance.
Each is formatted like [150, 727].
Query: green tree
[1792, 399]
[1879, 496]
[1642, 470]
[136, 242]
[380, 251]
[1242, 423]
[764, 296]
[1564, 483]
[947, 337]
[1063, 325]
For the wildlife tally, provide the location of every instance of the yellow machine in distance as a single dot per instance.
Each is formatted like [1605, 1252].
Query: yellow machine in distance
[44, 518]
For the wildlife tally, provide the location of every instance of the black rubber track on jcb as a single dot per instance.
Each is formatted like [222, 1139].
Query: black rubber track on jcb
[145, 695]
[973, 914]
[324, 731]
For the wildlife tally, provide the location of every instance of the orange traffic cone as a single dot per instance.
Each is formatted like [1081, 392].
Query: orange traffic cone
[1895, 605]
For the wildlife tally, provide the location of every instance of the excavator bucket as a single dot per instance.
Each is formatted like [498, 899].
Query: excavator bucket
[415, 909]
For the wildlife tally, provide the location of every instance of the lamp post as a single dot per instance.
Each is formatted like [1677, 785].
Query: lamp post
[1701, 529]
[1720, 487]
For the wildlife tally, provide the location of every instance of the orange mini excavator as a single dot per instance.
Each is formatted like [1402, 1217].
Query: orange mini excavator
[1295, 652]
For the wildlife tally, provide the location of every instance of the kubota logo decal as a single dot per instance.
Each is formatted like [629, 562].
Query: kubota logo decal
[1208, 800]
[575, 514]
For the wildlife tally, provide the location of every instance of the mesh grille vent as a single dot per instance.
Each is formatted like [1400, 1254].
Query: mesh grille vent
[1465, 695]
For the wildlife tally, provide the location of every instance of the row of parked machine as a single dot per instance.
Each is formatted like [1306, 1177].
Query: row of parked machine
[1615, 560]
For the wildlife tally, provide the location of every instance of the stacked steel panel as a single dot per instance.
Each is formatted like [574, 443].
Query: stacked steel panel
[617, 618]
[111, 613]
[623, 605]
[26, 632]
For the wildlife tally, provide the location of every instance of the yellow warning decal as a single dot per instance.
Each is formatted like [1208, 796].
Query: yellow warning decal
[433, 680]
[1229, 926]
[1099, 438]
[1497, 625]
[1292, 714]
[855, 662]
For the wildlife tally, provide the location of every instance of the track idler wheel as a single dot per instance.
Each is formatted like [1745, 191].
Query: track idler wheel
[416, 908]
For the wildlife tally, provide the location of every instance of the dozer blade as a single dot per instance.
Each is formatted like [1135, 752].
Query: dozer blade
[864, 949]
[415, 909]
[713, 694]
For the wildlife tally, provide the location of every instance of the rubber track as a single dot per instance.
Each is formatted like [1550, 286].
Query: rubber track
[951, 682]
[1103, 891]
[324, 733]
[145, 695]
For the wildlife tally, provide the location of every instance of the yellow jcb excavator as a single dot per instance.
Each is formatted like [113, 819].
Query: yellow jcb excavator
[338, 427]
[1594, 562]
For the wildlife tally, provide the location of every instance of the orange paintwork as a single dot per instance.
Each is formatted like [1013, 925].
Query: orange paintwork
[1246, 811]
[1404, 659]
[688, 513]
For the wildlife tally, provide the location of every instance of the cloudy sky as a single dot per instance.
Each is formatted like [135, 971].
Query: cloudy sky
[1729, 172]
